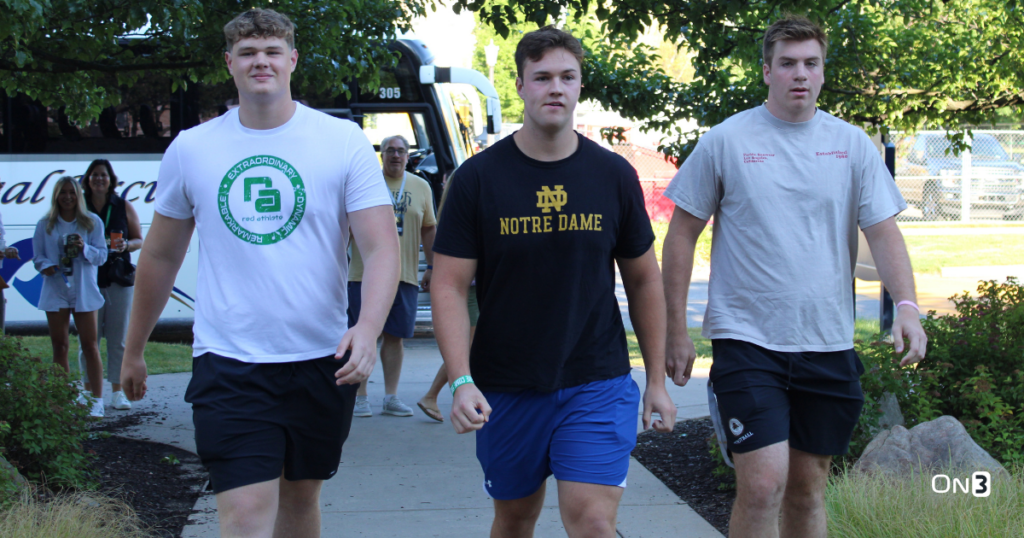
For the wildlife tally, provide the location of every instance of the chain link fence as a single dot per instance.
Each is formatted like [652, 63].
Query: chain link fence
[983, 184]
[655, 175]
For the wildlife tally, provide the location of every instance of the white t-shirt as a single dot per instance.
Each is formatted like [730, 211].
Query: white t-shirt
[787, 199]
[271, 210]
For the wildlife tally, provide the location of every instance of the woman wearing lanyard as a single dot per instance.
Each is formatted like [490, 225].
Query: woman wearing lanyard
[119, 220]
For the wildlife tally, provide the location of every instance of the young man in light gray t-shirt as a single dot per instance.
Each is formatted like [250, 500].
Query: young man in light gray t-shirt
[788, 185]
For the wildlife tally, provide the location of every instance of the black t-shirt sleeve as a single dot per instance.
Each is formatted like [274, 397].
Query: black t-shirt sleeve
[635, 233]
[457, 231]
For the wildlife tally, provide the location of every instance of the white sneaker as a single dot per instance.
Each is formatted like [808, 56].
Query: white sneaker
[362, 408]
[394, 407]
[83, 398]
[120, 401]
[97, 408]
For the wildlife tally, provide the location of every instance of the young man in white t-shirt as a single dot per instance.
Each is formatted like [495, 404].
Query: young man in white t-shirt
[272, 188]
[787, 185]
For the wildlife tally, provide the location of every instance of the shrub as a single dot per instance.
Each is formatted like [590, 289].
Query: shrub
[45, 425]
[973, 371]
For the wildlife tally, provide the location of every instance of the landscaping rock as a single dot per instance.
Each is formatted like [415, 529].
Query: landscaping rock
[938, 445]
[9, 473]
[891, 414]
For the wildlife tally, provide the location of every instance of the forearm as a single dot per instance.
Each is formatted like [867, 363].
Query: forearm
[677, 272]
[892, 260]
[154, 281]
[451, 327]
[380, 283]
[133, 244]
[647, 312]
[427, 235]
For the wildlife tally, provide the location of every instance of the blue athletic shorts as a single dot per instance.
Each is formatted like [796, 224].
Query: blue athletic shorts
[401, 322]
[580, 434]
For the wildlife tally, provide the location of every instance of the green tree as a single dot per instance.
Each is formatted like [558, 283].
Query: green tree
[892, 64]
[81, 53]
[504, 69]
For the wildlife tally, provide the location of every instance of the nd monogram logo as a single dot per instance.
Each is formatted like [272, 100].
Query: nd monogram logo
[547, 198]
[269, 200]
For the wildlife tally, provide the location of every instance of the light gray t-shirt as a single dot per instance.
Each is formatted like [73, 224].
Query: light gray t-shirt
[787, 199]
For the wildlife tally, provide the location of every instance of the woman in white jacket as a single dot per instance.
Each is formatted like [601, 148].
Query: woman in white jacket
[69, 265]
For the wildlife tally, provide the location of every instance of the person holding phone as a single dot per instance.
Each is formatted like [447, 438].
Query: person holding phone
[124, 235]
[68, 246]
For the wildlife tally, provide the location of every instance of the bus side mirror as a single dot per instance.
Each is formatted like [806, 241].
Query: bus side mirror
[493, 115]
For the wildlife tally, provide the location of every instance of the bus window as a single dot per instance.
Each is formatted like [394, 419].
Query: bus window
[451, 123]
[380, 125]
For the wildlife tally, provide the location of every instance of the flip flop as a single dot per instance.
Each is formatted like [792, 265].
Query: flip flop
[432, 413]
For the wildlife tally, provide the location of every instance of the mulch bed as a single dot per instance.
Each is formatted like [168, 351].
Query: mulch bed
[161, 482]
[682, 462]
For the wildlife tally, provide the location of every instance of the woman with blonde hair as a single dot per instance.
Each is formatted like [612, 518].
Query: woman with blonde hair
[69, 246]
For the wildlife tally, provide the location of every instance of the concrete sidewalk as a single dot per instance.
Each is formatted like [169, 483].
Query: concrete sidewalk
[413, 477]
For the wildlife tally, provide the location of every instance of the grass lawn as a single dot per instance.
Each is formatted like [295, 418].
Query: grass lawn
[160, 358]
[863, 329]
[930, 253]
[701, 257]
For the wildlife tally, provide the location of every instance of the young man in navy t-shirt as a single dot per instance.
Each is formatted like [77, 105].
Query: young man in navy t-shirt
[540, 220]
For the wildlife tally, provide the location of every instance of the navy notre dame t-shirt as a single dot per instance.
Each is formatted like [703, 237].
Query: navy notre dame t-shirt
[545, 236]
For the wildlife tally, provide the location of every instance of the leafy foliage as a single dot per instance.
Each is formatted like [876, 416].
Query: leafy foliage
[974, 371]
[891, 64]
[81, 53]
[45, 427]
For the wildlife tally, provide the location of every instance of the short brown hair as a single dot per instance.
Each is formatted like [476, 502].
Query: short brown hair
[792, 28]
[259, 23]
[535, 44]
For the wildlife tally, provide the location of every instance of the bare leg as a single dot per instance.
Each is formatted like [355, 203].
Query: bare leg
[429, 400]
[588, 510]
[391, 355]
[517, 518]
[249, 511]
[86, 324]
[760, 483]
[59, 323]
[803, 504]
[298, 510]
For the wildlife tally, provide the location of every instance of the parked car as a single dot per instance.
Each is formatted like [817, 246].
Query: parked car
[929, 178]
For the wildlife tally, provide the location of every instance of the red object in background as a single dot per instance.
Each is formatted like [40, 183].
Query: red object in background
[659, 208]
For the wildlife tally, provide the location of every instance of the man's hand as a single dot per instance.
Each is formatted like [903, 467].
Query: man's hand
[11, 253]
[133, 377]
[679, 356]
[363, 348]
[469, 409]
[657, 400]
[425, 281]
[908, 325]
[49, 271]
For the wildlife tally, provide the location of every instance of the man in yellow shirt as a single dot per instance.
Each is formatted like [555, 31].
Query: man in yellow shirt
[413, 203]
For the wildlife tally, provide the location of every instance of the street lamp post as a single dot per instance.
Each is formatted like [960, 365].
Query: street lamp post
[491, 56]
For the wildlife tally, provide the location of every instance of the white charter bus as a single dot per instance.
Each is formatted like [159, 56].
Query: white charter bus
[38, 144]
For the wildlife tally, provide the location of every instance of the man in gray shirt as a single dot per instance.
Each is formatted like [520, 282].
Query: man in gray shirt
[788, 185]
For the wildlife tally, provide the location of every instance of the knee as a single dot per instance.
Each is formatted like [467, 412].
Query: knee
[246, 515]
[761, 494]
[590, 522]
[517, 520]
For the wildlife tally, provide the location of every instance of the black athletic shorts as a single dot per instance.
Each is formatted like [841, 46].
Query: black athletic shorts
[254, 420]
[812, 399]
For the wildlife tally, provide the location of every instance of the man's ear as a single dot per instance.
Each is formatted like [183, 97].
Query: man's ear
[227, 59]
[519, 86]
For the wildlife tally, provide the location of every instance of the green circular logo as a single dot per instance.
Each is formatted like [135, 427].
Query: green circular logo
[255, 208]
